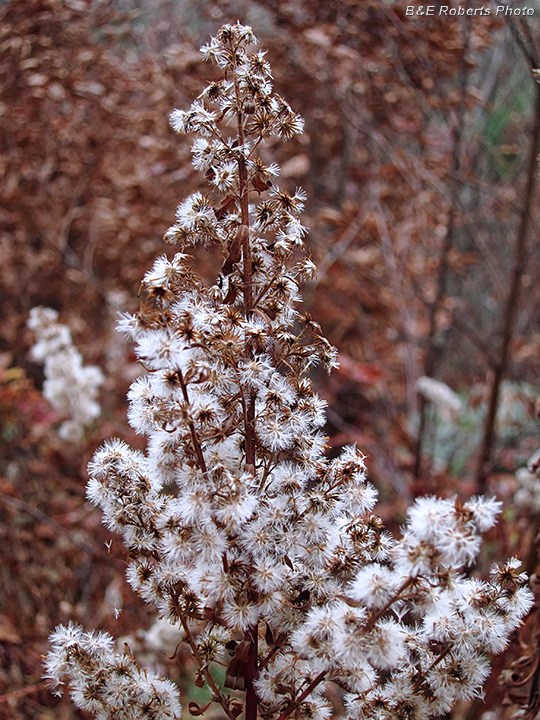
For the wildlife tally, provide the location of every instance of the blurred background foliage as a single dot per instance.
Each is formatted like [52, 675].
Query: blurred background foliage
[416, 161]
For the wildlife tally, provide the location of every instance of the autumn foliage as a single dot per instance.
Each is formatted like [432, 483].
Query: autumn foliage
[416, 162]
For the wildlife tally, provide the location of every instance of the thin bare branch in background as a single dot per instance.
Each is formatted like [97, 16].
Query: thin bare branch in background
[91, 176]
[432, 347]
[521, 252]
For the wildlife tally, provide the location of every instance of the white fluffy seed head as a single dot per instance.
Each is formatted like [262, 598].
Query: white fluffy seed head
[235, 521]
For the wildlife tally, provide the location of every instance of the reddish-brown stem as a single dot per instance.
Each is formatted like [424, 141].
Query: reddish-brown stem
[25, 507]
[270, 655]
[267, 287]
[247, 286]
[434, 664]
[203, 667]
[195, 438]
[22, 692]
[252, 634]
[295, 703]
[243, 195]
[251, 673]
[379, 614]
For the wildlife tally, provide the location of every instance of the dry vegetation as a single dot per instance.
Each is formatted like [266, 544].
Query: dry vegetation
[418, 159]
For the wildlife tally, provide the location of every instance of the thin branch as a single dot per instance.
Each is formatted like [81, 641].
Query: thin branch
[484, 188]
[521, 251]
[379, 614]
[401, 292]
[374, 450]
[295, 703]
[457, 322]
[252, 634]
[23, 692]
[527, 51]
[337, 250]
[194, 436]
[252, 670]
[270, 655]
[203, 666]
[434, 664]
[39, 515]
[247, 285]
[423, 61]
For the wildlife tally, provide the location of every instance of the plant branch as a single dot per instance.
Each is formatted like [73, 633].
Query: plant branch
[22, 692]
[252, 634]
[434, 664]
[295, 703]
[194, 436]
[521, 251]
[203, 666]
[270, 655]
[247, 286]
[40, 516]
[251, 672]
[379, 614]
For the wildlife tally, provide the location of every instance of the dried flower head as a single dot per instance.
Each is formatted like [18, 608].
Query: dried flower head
[239, 530]
[70, 387]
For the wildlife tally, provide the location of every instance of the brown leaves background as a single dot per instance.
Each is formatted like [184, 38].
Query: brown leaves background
[409, 122]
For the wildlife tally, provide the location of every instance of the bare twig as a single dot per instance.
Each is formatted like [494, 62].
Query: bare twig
[39, 515]
[394, 473]
[337, 250]
[521, 251]
[433, 665]
[23, 692]
[458, 323]
[402, 293]
[194, 436]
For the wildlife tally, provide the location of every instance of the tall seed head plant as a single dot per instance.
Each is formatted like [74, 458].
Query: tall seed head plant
[239, 530]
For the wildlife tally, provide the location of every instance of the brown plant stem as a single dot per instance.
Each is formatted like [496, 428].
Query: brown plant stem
[521, 251]
[270, 655]
[378, 615]
[243, 194]
[195, 438]
[251, 673]
[252, 634]
[295, 703]
[438, 659]
[40, 516]
[203, 667]
[247, 286]
[23, 692]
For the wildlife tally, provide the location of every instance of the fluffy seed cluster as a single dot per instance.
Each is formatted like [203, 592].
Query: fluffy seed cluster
[108, 683]
[70, 387]
[239, 530]
[528, 479]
